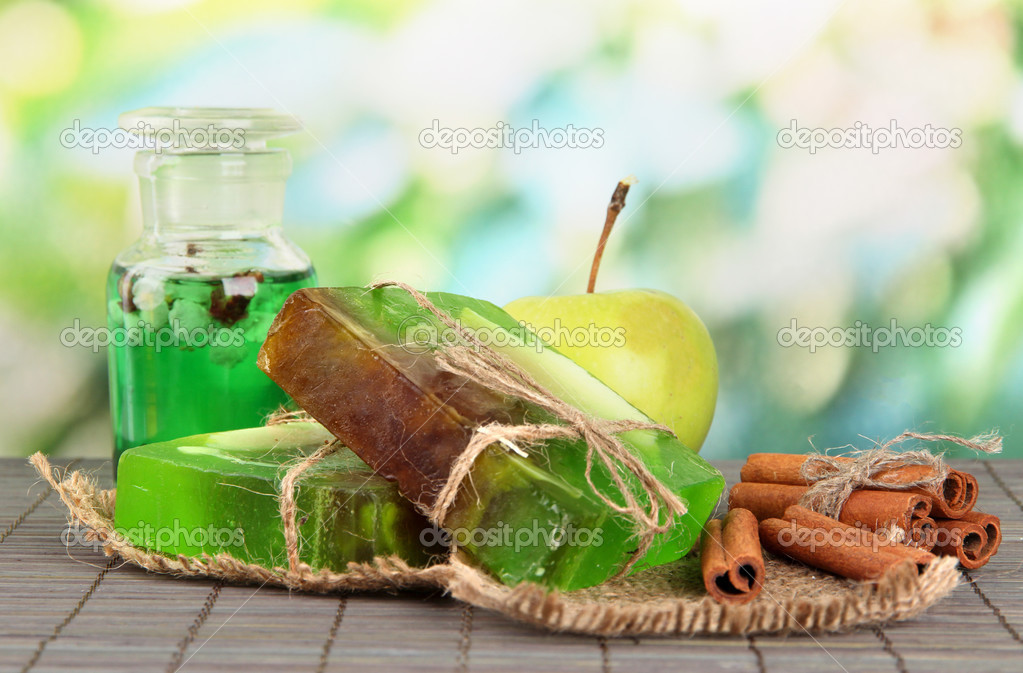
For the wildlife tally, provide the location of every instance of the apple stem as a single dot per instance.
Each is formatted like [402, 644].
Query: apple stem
[613, 208]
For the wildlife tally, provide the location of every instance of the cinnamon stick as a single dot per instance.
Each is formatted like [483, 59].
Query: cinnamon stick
[970, 491]
[992, 527]
[921, 533]
[870, 509]
[853, 536]
[974, 540]
[961, 539]
[856, 562]
[956, 495]
[731, 558]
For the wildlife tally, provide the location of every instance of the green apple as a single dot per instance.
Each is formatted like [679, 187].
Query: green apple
[648, 346]
[662, 359]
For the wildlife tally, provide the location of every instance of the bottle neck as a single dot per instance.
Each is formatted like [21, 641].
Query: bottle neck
[197, 196]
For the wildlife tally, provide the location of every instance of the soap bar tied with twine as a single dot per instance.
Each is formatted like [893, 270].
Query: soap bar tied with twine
[478, 362]
[645, 501]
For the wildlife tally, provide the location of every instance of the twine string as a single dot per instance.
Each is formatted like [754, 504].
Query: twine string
[834, 478]
[284, 415]
[286, 499]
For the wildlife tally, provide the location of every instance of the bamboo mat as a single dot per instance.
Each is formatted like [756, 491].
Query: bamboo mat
[70, 608]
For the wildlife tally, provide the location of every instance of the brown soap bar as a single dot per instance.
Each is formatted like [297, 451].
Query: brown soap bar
[321, 351]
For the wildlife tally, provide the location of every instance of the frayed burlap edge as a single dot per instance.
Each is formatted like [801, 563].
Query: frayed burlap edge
[660, 601]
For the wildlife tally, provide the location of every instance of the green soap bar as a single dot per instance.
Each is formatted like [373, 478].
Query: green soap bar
[364, 364]
[217, 493]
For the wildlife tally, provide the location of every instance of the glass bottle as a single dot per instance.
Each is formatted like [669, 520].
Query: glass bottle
[190, 302]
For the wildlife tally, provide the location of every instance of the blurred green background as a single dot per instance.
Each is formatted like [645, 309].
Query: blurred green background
[690, 98]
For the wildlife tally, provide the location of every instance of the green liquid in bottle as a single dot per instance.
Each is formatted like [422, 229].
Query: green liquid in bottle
[183, 351]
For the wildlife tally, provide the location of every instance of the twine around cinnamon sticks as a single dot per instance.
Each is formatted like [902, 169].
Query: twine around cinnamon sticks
[890, 496]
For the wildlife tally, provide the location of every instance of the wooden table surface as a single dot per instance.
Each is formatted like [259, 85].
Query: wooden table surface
[67, 607]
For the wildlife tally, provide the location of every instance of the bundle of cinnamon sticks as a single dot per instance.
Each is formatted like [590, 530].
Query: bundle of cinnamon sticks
[939, 519]
[894, 522]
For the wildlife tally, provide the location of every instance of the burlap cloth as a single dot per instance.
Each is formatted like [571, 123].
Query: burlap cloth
[668, 600]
